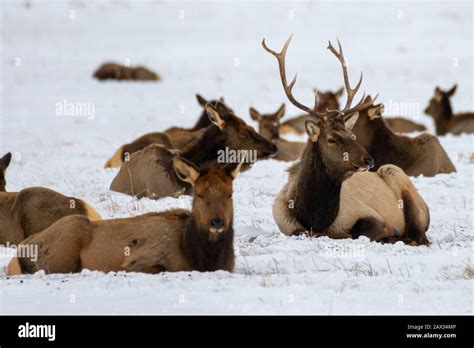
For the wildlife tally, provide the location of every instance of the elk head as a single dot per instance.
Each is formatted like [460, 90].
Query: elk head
[268, 124]
[4, 162]
[439, 106]
[239, 135]
[330, 135]
[328, 100]
[203, 120]
[212, 203]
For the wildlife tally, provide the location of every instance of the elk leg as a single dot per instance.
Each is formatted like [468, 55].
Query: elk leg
[374, 229]
[415, 210]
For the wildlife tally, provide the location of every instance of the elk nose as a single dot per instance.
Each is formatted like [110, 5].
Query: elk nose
[369, 162]
[217, 223]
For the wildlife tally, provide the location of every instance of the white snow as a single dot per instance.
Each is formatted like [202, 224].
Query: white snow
[49, 51]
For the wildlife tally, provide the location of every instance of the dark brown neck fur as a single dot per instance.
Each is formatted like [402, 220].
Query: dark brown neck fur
[443, 116]
[317, 193]
[205, 150]
[207, 255]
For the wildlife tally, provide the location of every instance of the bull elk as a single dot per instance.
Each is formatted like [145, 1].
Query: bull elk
[174, 240]
[4, 163]
[327, 100]
[421, 155]
[114, 71]
[148, 172]
[330, 191]
[439, 108]
[173, 138]
[269, 128]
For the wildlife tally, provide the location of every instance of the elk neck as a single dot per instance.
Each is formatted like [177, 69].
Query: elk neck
[317, 191]
[203, 252]
[443, 117]
[206, 149]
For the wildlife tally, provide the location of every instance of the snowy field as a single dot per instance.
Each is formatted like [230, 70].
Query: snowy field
[50, 50]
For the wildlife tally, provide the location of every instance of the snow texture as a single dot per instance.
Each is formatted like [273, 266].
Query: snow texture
[49, 51]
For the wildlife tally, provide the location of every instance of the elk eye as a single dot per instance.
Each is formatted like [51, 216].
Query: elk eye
[199, 196]
[230, 196]
[332, 141]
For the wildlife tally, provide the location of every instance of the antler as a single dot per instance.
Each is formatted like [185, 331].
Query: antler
[289, 87]
[351, 92]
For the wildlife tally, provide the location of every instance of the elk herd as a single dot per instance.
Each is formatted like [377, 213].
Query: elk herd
[350, 178]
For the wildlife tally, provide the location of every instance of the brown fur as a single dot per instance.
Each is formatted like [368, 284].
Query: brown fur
[124, 152]
[269, 128]
[33, 209]
[326, 100]
[327, 196]
[439, 108]
[421, 155]
[114, 71]
[4, 163]
[173, 241]
[403, 125]
[149, 174]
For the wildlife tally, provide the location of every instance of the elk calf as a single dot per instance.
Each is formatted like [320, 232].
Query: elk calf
[148, 173]
[439, 108]
[421, 155]
[171, 241]
[269, 128]
[326, 100]
[114, 71]
[328, 192]
[4, 163]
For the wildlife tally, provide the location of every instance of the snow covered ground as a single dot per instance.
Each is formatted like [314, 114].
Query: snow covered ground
[49, 51]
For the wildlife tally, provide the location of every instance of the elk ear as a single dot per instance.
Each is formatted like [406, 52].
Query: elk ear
[234, 169]
[375, 111]
[281, 112]
[451, 91]
[214, 115]
[185, 170]
[5, 161]
[339, 92]
[201, 100]
[313, 130]
[255, 115]
[351, 120]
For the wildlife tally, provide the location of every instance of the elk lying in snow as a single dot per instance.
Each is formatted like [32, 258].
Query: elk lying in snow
[327, 100]
[439, 108]
[172, 241]
[403, 125]
[4, 163]
[173, 138]
[269, 128]
[329, 193]
[33, 209]
[114, 71]
[148, 173]
[421, 155]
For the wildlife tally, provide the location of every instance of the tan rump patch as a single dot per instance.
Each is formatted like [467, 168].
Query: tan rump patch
[116, 160]
[14, 267]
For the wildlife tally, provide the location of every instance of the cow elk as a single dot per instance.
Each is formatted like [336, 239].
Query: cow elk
[326, 100]
[329, 191]
[148, 172]
[171, 241]
[269, 128]
[4, 163]
[114, 71]
[439, 108]
[404, 125]
[421, 155]
[173, 138]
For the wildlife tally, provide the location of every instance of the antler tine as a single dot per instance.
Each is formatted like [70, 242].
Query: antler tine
[351, 92]
[289, 87]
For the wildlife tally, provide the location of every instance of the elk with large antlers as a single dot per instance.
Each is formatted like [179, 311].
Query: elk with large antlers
[330, 191]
